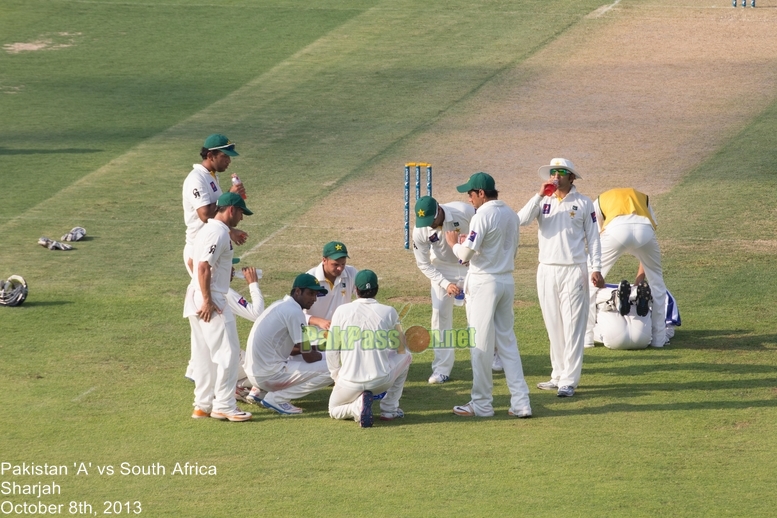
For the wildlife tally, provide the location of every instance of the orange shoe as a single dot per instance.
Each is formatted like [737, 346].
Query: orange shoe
[199, 414]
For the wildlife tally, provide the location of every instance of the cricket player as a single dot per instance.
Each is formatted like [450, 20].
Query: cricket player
[615, 330]
[338, 278]
[567, 228]
[627, 225]
[276, 335]
[201, 190]
[490, 249]
[362, 356]
[435, 258]
[215, 344]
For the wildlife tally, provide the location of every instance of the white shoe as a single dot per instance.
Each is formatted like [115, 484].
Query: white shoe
[521, 414]
[236, 415]
[281, 408]
[496, 365]
[548, 385]
[437, 379]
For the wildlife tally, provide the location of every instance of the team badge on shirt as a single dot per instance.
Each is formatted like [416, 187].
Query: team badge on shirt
[212, 249]
[434, 238]
[593, 216]
[572, 214]
[574, 207]
[243, 302]
[196, 194]
[472, 236]
[213, 186]
[546, 208]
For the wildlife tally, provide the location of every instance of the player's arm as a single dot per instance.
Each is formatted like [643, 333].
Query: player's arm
[464, 247]
[208, 306]
[421, 251]
[333, 347]
[640, 274]
[206, 212]
[594, 246]
[319, 322]
[257, 299]
[530, 211]
[237, 236]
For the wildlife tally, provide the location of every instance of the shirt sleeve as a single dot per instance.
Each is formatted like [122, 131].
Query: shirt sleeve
[295, 321]
[332, 349]
[217, 244]
[592, 239]
[199, 191]
[530, 211]
[421, 250]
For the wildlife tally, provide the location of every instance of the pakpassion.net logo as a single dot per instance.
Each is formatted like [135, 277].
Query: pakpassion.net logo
[347, 339]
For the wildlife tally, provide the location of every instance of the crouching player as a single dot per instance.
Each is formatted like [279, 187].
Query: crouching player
[365, 360]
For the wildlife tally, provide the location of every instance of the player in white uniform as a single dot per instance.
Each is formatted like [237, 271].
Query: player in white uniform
[627, 224]
[362, 356]
[617, 331]
[278, 333]
[490, 248]
[215, 344]
[201, 190]
[338, 278]
[567, 226]
[435, 258]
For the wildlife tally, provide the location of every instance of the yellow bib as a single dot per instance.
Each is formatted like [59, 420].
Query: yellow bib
[622, 202]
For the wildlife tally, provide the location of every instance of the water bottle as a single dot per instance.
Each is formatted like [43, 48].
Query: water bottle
[237, 181]
[458, 300]
[239, 274]
[550, 188]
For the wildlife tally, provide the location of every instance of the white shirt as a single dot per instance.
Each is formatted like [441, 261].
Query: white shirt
[351, 360]
[243, 308]
[272, 338]
[493, 235]
[214, 247]
[565, 227]
[339, 293]
[199, 189]
[430, 247]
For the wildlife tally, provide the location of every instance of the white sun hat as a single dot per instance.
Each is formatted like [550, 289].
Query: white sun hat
[558, 163]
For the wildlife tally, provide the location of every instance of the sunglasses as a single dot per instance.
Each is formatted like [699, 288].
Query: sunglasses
[560, 172]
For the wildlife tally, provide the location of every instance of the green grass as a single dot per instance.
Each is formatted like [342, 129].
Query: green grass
[102, 133]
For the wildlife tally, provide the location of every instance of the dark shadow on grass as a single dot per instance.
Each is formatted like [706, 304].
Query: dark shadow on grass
[66, 151]
[44, 303]
[723, 339]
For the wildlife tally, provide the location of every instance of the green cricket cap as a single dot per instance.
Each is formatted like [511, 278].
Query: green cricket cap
[366, 280]
[478, 181]
[219, 142]
[425, 211]
[233, 199]
[335, 250]
[307, 281]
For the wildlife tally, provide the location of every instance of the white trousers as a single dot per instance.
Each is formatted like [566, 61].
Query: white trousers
[563, 293]
[345, 401]
[639, 240]
[295, 380]
[215, 360]
[442, 316]
[490, 314]
[618, 331]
